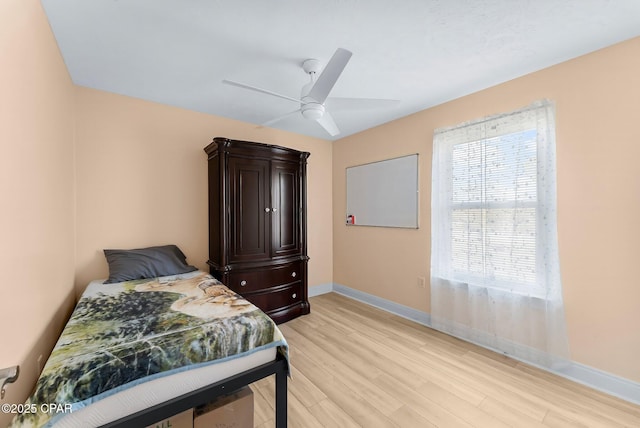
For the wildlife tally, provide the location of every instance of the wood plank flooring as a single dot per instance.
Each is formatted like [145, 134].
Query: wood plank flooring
[357, 366]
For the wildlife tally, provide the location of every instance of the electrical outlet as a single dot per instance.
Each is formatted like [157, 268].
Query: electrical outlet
[422, 282]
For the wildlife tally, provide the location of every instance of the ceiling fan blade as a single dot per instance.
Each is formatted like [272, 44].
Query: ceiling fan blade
[337, 103]
[264, 91]
[329, 125]
[329, 76]
[279, 118]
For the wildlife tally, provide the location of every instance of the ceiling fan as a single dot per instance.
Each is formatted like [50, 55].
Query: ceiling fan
[315, 94]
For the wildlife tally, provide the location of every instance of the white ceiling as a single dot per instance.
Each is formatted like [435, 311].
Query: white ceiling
[421, 52]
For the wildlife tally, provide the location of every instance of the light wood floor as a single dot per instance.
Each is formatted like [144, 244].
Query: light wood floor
[357, 366]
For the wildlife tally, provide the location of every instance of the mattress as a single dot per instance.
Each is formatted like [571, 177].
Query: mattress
[135, 344]
[145, 395]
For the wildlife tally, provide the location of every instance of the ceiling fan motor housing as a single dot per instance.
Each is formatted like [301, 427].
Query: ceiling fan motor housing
[312, 110]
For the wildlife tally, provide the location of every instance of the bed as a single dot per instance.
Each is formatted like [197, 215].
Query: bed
[136, 351]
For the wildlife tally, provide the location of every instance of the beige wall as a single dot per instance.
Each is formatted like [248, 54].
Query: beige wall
[142, 180]
[37, 191]
[598, 146]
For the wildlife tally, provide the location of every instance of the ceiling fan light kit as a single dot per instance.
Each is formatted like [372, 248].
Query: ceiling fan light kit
[312, 110]
[315, 93]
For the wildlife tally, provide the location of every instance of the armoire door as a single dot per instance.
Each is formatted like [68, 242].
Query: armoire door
[286, 212]
[250, 209]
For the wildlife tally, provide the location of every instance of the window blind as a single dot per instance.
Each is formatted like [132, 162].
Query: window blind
[490, 194]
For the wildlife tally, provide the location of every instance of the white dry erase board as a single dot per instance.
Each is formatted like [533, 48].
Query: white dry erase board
[384, 193]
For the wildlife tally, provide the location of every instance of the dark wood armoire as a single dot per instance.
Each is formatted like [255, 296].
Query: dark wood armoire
[257, 224]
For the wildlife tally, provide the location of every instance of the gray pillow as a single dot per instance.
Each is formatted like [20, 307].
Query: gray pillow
[142, 263]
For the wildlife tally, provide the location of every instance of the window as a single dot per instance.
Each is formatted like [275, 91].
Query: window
[495, 269]
[489, 201]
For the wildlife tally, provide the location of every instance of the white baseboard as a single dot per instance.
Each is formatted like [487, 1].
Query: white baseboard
[317, 290]
[597, 379]
[395, 308]
[603, 381]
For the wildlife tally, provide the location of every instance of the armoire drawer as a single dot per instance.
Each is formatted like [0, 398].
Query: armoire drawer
[278, 298]
[270, 277]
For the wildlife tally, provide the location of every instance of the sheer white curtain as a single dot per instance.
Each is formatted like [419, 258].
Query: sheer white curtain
[495, 272]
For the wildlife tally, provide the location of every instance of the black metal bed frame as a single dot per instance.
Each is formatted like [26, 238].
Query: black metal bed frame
[151, 415]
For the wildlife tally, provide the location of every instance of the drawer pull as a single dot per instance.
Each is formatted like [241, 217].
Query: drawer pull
[243, 283]
[294, 295]
[293, 274]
